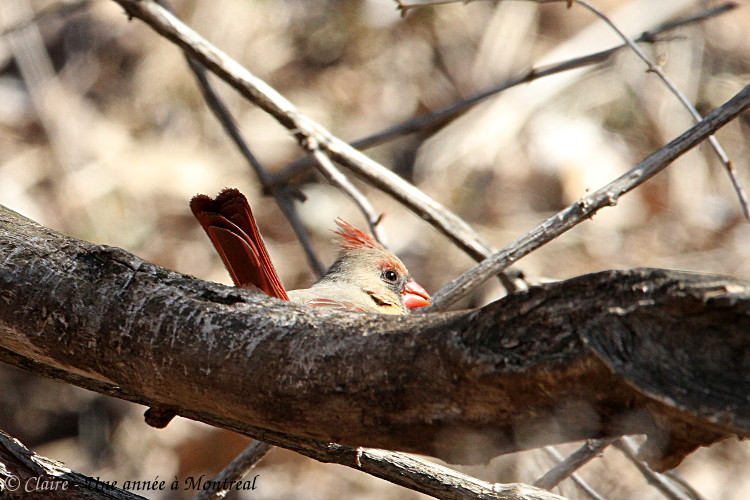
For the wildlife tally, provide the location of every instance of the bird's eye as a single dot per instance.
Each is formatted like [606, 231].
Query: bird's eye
[390, 275]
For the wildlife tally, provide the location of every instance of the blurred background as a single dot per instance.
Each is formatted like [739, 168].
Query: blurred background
[104, 136]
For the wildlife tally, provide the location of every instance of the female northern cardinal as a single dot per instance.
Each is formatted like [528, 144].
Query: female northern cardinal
[366, 277]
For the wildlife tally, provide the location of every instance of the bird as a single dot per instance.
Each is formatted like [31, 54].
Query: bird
[365, 277]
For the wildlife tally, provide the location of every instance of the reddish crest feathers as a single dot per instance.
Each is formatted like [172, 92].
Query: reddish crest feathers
[354, 239]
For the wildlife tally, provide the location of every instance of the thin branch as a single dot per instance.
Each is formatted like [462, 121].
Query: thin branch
[654, 68]
[587, 206]
[675, 476]
[583, 485]
[659, 481]
[284, 194]
[446, 114]
[290, 212]
[567, 467]
[339, 180]
[306, 129]
[236, 470]
[442, 482]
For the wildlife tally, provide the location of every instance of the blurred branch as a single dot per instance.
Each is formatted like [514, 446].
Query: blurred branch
[583, 485]
[284, 194]
[38, 73]
[587, 206]
[305, 129]
[572, 463]
[236, 470]
[654, 68]
[52, 103]
[24, 474]
[452, 111]
[676, 478]
[665, 485]
[54, 10]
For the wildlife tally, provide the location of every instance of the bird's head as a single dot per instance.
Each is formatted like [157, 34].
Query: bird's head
[382, 275]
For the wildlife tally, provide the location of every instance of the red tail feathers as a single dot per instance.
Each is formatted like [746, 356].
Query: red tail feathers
[229, 223]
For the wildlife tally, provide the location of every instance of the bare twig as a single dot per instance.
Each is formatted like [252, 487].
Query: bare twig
[654, 68]
[567, 467]
[651, 67]
[587, 206]
[339, 180]
[284, 194]
[236, 470]
[305, 129]
[583, 485]
[442, 482]
[290, 212]
[675, 476]
[659, 481]
[444, 115]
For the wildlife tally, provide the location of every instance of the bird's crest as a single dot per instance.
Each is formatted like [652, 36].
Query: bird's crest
[354, 239]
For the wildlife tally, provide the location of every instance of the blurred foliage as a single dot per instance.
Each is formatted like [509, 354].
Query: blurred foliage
[105, 137]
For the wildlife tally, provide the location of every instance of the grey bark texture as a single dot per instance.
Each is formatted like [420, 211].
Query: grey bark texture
[663, 353]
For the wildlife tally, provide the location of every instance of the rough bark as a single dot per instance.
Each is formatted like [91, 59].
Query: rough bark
[664, 353]
[26, 475]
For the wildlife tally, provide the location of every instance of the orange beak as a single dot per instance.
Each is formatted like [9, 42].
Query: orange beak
[415, 296]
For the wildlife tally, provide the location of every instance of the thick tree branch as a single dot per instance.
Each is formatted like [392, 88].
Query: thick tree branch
[601, 355]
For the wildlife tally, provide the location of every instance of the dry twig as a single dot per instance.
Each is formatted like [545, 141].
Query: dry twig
[305, 129]
[572, 463]
[339, 180]
[651, 67]
[665, 485]
[452, 111]
[236, 469]
[587, 206]
[583, 485]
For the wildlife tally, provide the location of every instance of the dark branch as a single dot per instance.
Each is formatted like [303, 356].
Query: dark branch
[26, 475]
[601, 355]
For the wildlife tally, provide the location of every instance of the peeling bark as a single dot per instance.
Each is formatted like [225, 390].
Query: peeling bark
[663, 353]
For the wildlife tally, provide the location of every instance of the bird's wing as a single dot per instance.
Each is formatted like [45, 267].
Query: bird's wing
[229, 223]
[329, 297]
[334, 304]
